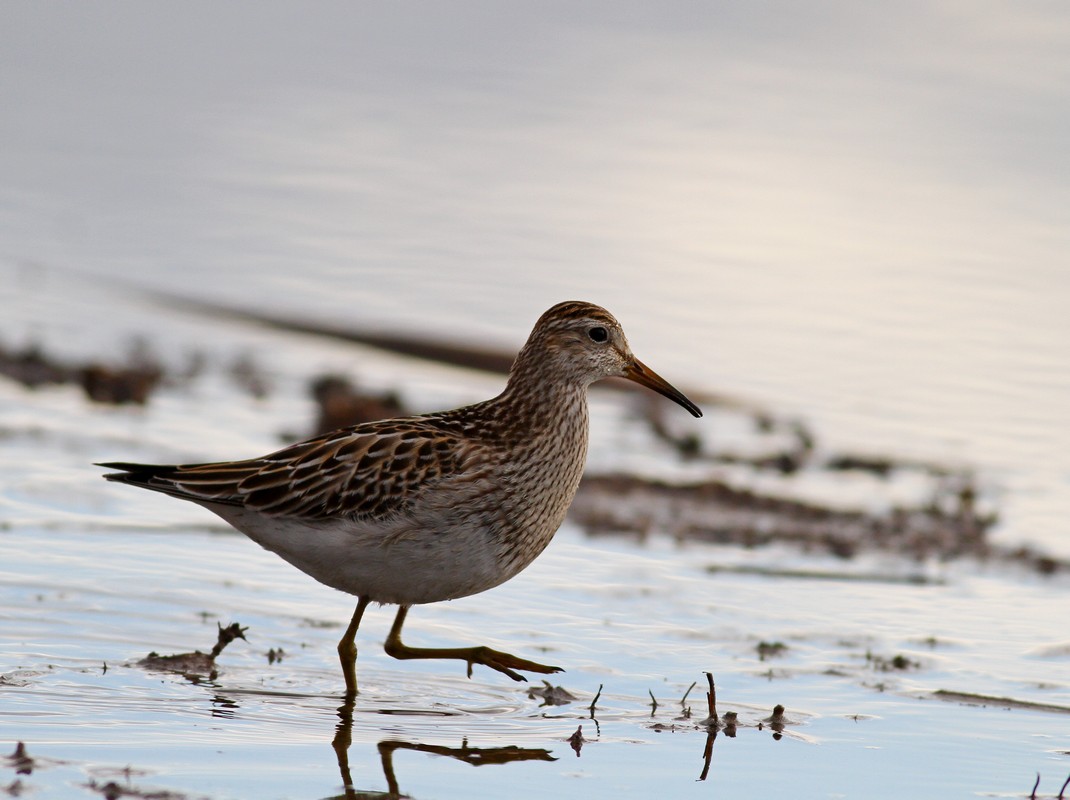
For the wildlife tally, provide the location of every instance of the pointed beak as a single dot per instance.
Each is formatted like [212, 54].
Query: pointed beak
[642, 374]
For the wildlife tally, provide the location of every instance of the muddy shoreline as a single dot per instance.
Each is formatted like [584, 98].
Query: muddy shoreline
[950, 523]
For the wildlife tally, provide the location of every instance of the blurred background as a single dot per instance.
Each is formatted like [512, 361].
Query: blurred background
[858, 213]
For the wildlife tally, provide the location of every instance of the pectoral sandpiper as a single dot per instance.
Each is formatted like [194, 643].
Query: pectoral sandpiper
[428, 508]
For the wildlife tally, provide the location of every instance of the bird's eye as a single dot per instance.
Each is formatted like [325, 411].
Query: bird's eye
[598, 334]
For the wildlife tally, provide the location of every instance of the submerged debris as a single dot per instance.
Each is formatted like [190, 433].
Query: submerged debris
[974, 699]
[32, 368]
[594, 702]
[119, 385]
[114, 791]
[776, 722]
[770, 649]
[684, 707]
[576, 740]
[275, 655]
[714, 511]
[195, 665]
[129, 382]
[897, 663]
[777, 717]
[711, 723]
[551, 695]
[729, 724]
[1036, 785]
[20, 760]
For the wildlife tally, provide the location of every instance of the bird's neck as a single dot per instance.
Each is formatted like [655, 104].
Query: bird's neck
[540, 407]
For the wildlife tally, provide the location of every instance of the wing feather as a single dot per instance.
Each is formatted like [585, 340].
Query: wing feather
[365, 472]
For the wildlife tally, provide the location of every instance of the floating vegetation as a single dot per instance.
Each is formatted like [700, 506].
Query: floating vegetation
[196, 665]
[770, 650]
[551, 695]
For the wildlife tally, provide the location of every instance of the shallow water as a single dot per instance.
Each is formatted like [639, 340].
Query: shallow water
[95, 575]
[629, 621]
[852, 214]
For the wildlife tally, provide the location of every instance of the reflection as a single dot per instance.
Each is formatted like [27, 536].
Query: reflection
[728, 724]
[713, 726]
[476, 756]
[20, 760]
[223, 706]
[707, 754]
[576, 740]
[591, 708]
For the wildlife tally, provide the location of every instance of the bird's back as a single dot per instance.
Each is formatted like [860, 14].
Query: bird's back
[411, 510]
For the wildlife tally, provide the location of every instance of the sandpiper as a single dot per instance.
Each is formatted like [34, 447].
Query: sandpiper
[434, 507]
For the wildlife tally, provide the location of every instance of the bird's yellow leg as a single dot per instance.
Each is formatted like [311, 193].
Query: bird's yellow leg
[347, 648]
[502, 662]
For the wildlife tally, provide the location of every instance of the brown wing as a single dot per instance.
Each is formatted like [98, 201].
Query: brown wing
[369, 471]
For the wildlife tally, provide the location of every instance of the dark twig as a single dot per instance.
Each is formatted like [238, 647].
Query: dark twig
[1063, 790]
[683, 700]
[711, 723]
[596, 696]
[1033, 795]
[711, 696]
[653, 702]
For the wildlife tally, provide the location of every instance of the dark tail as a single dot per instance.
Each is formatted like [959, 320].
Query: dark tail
[136, 474]
[155, 477]
[200, 483]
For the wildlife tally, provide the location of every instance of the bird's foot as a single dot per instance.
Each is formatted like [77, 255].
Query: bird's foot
[506, 663]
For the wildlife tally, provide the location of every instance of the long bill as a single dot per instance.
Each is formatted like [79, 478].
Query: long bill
[642, 374]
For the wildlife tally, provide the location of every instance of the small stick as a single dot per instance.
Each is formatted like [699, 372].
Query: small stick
[653, 701]
[711, 696]
[1033, 796]
[683, 699]
[597, 695]
[1065, 784]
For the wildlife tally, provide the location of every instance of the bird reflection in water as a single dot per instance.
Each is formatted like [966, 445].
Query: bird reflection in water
[476, 756]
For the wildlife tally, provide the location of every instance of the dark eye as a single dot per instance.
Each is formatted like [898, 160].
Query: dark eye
[598, 334]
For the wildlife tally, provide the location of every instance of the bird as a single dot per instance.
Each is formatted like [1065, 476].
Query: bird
[428, 508]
